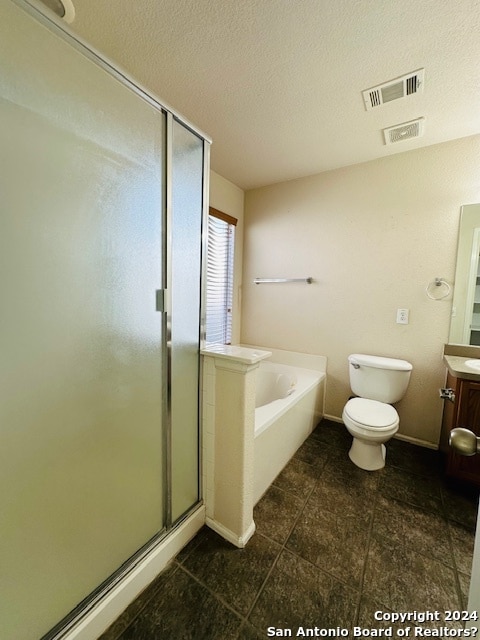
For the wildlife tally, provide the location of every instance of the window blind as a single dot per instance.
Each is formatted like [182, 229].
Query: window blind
[220, 252]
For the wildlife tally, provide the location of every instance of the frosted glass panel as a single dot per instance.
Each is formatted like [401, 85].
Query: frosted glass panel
[81, 183]
[186, 256]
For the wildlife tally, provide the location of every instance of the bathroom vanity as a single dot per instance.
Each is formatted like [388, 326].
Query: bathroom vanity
[461, 409]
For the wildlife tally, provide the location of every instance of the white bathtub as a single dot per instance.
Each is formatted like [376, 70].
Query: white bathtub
[289, 404]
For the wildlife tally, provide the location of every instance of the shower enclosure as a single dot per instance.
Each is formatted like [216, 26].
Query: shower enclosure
[102, 196]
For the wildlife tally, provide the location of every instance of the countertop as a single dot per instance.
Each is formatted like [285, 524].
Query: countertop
[456, 366]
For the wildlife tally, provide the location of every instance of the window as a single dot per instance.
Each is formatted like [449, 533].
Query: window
[220, 248]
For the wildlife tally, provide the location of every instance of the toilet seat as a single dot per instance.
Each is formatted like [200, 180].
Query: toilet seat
[371, 414]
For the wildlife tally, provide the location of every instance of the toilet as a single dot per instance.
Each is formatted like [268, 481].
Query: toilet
[378, 383]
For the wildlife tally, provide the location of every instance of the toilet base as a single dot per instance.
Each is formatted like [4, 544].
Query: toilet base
[367, 455]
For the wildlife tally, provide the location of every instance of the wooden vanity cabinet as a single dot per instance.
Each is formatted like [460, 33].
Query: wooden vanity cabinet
[464, 411]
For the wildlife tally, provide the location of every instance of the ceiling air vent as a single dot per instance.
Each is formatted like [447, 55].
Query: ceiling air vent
[405, 131]
[394, 89]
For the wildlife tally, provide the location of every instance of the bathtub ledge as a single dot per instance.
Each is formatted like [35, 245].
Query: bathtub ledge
[235, 353]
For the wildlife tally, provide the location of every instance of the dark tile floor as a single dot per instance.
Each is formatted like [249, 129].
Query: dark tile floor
[333, 545]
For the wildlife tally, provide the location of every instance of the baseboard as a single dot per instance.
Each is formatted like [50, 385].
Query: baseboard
[227, 534]
[327, 416]
[109, 608]
[416, 441]
[397, 436]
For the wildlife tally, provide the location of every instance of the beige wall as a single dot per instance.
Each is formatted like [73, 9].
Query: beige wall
[372, 236]
[227, 197]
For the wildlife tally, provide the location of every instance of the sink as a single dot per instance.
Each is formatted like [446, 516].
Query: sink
[473, 364]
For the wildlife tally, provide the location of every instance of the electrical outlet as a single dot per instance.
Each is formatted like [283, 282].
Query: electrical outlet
[402, 316]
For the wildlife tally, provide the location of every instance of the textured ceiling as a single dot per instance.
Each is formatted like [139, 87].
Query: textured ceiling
[277, 83]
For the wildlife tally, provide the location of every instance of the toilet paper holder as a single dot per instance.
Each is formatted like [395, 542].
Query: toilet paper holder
[447, 394]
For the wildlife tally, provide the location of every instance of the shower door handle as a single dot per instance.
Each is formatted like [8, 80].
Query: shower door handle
[464, 441]
[160, 300]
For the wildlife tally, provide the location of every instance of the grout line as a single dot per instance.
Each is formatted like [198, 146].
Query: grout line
[283, 546]
[281, 550]
[331, 450]
[451, 546]
[217, 596]
[369, 539]
[119, 634]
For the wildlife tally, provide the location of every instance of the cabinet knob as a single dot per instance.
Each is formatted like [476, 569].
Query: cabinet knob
[464, 441]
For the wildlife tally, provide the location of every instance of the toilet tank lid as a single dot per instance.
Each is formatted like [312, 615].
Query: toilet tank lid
[379, 362]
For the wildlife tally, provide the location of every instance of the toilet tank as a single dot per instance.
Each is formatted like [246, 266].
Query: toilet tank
[378, 378]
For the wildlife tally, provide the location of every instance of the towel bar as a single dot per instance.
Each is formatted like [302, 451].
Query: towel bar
[308, 280]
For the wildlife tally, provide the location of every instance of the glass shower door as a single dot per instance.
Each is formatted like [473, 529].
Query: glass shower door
[186, 230]
[82, 186]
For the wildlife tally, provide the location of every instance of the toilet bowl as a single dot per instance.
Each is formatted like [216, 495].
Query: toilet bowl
[371, 423]
[370, 419]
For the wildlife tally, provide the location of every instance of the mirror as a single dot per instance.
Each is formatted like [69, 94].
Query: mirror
[465, 323]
